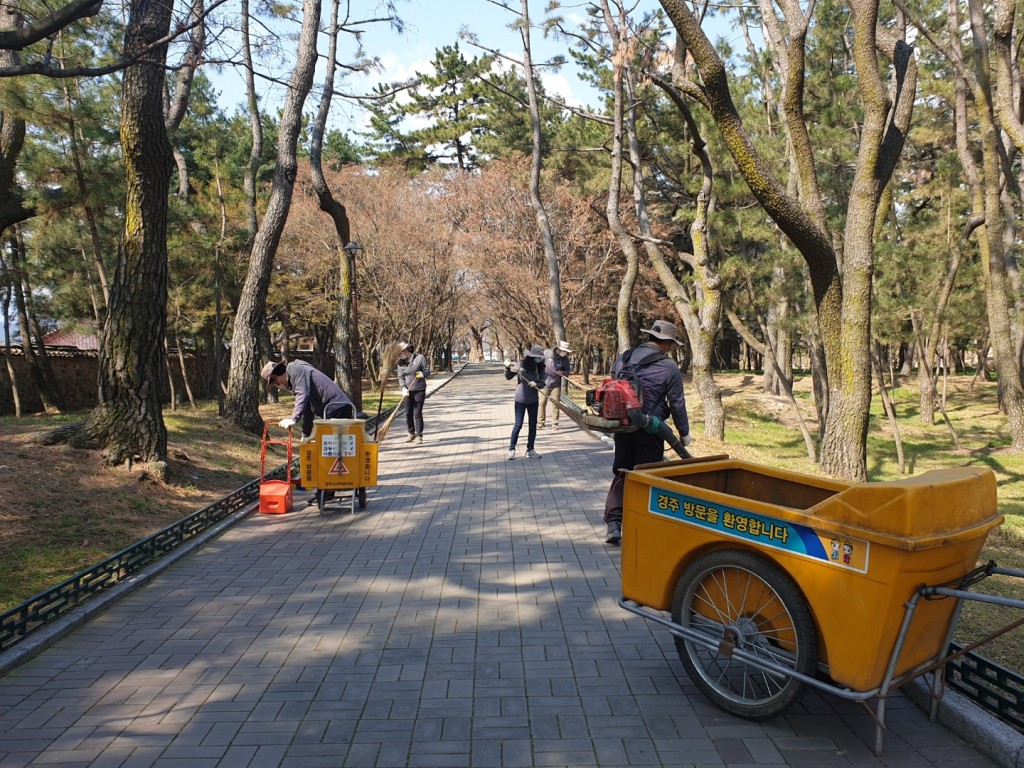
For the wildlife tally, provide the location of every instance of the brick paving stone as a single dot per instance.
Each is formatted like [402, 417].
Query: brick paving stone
[467, 617]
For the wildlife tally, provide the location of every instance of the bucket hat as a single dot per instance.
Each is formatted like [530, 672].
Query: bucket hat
[270, 369]
[664, 330]
[563, 346]
[536, 351]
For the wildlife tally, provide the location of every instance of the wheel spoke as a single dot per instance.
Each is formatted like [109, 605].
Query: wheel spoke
[751, 597]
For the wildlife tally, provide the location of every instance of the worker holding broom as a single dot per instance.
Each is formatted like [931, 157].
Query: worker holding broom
[412, 375]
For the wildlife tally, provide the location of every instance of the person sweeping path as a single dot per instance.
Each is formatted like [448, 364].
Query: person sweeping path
[412, 375]
[530, 373]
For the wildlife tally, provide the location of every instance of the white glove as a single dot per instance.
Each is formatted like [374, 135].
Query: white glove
[286, 423]
[508, 363]
[687, 439]
[419, 374]
[405, 392]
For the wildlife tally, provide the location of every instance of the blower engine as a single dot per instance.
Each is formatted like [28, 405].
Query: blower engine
[613, 401]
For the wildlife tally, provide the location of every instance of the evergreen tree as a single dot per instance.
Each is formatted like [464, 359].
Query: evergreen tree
[447, 103]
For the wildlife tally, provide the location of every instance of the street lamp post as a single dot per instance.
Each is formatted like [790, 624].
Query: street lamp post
[353, 335]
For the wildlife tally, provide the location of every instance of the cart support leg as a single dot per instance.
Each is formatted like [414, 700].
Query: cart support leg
[879, 726]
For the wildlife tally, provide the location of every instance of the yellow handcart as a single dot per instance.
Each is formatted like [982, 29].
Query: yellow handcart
[338, 456]
[774, 580]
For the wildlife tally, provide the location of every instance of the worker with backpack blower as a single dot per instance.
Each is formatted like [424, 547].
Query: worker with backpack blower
[660, 387]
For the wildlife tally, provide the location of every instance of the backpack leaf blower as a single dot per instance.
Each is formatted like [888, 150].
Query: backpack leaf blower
[617, 409]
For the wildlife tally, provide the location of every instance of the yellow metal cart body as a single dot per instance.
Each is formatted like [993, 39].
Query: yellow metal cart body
[338, 456]
[776, 579]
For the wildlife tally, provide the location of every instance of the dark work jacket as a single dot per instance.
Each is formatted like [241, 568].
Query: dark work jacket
[530, 369]
[313, 392]
[662, 384]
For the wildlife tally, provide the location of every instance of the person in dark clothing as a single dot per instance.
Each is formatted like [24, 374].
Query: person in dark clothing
[412, 375]
[530, 373]
[316, 395]
[663, 396]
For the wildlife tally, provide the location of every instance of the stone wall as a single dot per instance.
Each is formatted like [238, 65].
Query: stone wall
[77, 372]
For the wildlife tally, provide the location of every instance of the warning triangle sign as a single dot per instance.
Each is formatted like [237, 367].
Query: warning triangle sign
[338, 468]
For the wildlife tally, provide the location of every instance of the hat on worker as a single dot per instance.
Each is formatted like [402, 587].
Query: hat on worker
[563, 346]
[536, 351]
[404, 345]
[271, 369]
[663, 330]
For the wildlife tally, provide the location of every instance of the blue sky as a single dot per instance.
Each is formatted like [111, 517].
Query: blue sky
[430, 24]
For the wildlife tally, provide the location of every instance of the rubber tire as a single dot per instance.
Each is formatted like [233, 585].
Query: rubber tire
[746, 579]
[321, 500]
[361, 493]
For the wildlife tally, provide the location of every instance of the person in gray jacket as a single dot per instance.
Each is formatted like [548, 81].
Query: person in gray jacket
[663, 396]
[316, 395]
[530, 375]
[412, 375]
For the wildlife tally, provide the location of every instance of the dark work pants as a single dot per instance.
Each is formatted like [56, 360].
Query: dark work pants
[523, 409]
[339, 411]
[414, 411]
[631, 448]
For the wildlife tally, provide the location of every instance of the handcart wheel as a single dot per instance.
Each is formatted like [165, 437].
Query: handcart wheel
[321, 499]
[737, 597]
[362, 498]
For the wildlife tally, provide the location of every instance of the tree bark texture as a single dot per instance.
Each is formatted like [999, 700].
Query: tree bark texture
[342, 341]
[623, 334]
[543, 220]
[12, 127]
[242, 403]
[129, 417]
[843, 301]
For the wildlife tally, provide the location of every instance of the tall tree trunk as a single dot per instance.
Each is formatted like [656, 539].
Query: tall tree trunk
[344, 358]
[700, 305]
[12, 126]
[242, 404]
[35, 353]
[129, 418]
[87, 208]
[177, 106]
[11, 377]
[623, 330]
[994, 255]
[842, 298]
[255, 127]
[541, 212]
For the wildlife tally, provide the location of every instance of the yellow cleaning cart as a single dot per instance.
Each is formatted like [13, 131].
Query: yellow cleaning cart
[338, 456]
[775, 579]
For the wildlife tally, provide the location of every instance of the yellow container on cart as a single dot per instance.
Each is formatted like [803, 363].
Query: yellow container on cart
[338, 456]
[857, 552]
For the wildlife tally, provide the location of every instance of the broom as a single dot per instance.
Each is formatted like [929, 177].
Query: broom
[387, 361]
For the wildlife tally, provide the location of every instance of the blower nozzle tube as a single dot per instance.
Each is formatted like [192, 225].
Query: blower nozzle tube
[652, 425]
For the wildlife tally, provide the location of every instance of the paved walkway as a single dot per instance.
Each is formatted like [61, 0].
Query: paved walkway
[467, 617]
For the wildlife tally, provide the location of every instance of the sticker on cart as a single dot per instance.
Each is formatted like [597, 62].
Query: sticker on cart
[328, 445]
[348, 445]
[833, 548]
[338, 468]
